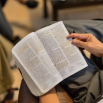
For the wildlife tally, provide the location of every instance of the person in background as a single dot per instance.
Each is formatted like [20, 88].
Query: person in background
[8, 94]
[5, 28]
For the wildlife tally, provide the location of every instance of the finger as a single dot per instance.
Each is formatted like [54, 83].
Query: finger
[79, 43]
[78, 36]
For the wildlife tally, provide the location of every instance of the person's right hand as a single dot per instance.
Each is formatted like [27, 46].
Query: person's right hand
[88, 42]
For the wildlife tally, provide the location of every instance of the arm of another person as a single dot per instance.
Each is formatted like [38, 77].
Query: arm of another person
[88, 42]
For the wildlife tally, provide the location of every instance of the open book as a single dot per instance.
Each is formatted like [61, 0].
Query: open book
[46, 57]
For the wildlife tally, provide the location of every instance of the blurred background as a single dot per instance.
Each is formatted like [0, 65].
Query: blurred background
[24, 20]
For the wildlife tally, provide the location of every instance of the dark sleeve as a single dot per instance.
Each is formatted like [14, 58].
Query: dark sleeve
[25, 96]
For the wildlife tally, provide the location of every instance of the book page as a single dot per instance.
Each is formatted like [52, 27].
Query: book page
[66, 57]
[37, 63]
[31, 85]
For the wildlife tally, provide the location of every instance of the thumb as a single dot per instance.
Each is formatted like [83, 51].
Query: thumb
[79, 43]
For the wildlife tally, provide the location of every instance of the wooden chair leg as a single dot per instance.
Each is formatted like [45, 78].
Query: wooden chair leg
[45, 9]
[54, 14]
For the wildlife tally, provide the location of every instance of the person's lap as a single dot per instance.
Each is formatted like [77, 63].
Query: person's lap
[79, 85]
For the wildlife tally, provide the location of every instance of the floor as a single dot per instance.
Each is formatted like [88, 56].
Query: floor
[24, 20]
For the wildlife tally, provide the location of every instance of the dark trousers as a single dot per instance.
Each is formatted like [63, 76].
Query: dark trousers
[5, 28]
[87, 84]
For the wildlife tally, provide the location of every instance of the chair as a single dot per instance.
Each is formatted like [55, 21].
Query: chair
[60, 4]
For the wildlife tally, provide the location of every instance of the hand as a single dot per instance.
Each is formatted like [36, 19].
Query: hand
[88, 42]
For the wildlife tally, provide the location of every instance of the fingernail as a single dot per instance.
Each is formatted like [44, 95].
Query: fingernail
[74, 41]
